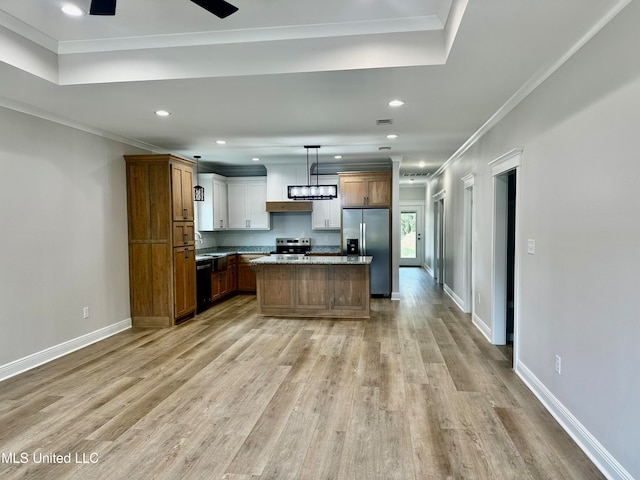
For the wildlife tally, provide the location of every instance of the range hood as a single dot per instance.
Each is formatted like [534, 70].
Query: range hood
[291, 206]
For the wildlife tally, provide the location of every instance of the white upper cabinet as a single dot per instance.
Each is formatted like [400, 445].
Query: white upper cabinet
[280, 176]
[326, 213]
[212, 213]
[247, 198]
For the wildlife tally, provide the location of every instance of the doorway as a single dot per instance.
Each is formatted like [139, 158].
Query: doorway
[506, 178]
[411, 234]
[511, 251]
[438, 243]
[468, 253]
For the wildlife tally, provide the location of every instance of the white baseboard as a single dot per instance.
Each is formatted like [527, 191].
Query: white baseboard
[456, 299]
[395, 295]
[482, 326]
[428, 269]
[607, 464]
[36, 359]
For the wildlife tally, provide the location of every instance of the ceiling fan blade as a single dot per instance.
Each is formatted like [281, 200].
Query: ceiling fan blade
[103, 7]
[219, 8]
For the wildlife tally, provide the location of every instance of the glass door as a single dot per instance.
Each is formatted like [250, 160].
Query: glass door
[411, 236]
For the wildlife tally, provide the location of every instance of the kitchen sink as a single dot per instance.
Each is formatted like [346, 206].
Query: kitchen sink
[219, 261]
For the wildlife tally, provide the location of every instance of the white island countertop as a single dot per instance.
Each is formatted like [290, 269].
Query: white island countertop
[291, 259]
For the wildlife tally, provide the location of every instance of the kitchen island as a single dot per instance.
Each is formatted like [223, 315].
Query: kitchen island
[313, 286]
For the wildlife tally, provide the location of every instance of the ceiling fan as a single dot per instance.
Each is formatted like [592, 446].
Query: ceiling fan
[219, 8]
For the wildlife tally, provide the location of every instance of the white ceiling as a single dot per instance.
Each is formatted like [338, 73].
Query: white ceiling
[281, 74]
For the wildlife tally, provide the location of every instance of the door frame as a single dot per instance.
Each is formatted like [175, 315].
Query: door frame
[468, 253]
[510, 161]
[439, 237]
[417, 207]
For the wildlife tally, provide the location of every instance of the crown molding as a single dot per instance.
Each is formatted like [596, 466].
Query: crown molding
[34, 112]
[534, 82]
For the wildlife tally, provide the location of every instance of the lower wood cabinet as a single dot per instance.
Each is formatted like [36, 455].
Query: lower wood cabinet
[312, 287]
[341, 291]
[246, 275]
[225, 282]
[232, 274]
[150, 279]
[218, 284]
[184, 280]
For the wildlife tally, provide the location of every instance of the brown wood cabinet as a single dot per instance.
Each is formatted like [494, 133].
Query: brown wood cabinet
[219, 284]
[183, 233]
[182, 192]
[246, 275]
[225, 282]
[184, 268]
[232, 274]
[326, 290]
[365, 189]
[162, 267]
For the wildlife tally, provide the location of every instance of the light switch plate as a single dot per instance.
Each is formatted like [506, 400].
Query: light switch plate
[531, 247]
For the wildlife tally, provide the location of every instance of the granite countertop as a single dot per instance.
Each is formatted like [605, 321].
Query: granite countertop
[219, 251]
[311, 260]
[259, 250]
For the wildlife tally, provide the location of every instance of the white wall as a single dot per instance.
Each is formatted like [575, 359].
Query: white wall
[64, 235]
[411, 193]
[578, 199]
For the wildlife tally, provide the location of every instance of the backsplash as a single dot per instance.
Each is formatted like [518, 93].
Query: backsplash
[282, 225]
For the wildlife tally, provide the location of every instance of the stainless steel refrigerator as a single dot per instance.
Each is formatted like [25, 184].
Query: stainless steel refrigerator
[370, 226]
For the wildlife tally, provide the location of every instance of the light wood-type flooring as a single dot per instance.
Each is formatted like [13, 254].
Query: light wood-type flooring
[415, 392]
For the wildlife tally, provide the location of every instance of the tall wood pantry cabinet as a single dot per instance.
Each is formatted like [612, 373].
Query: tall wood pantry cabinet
[162, 252]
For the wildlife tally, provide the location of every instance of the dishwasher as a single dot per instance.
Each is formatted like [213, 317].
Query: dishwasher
[203, 284]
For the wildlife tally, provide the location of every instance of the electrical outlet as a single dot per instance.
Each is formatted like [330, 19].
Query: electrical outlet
[479, 302]
[558, 365]
[85, 312]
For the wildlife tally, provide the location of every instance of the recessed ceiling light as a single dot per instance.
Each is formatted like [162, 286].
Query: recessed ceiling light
[396, 103]
[162, 113]
[422, 164]
[72, 10]
[221, 142]
[338, 157]
[255, 159]
[392, 136]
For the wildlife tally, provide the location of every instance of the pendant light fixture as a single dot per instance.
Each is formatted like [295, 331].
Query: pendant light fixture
[312, 192]
[198, 191]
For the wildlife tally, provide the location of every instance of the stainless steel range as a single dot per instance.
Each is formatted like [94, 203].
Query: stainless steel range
[293, 246]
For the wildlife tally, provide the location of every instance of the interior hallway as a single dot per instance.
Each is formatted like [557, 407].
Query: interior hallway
[415, 392]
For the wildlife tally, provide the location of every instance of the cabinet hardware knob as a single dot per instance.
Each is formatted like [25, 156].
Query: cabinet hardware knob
[186, 253]
[186, 238]
[184, 212]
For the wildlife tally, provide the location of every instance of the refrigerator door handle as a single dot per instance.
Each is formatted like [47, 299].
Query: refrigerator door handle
[364, 238]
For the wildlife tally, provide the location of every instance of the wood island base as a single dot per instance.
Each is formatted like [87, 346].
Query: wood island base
[313, 290]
